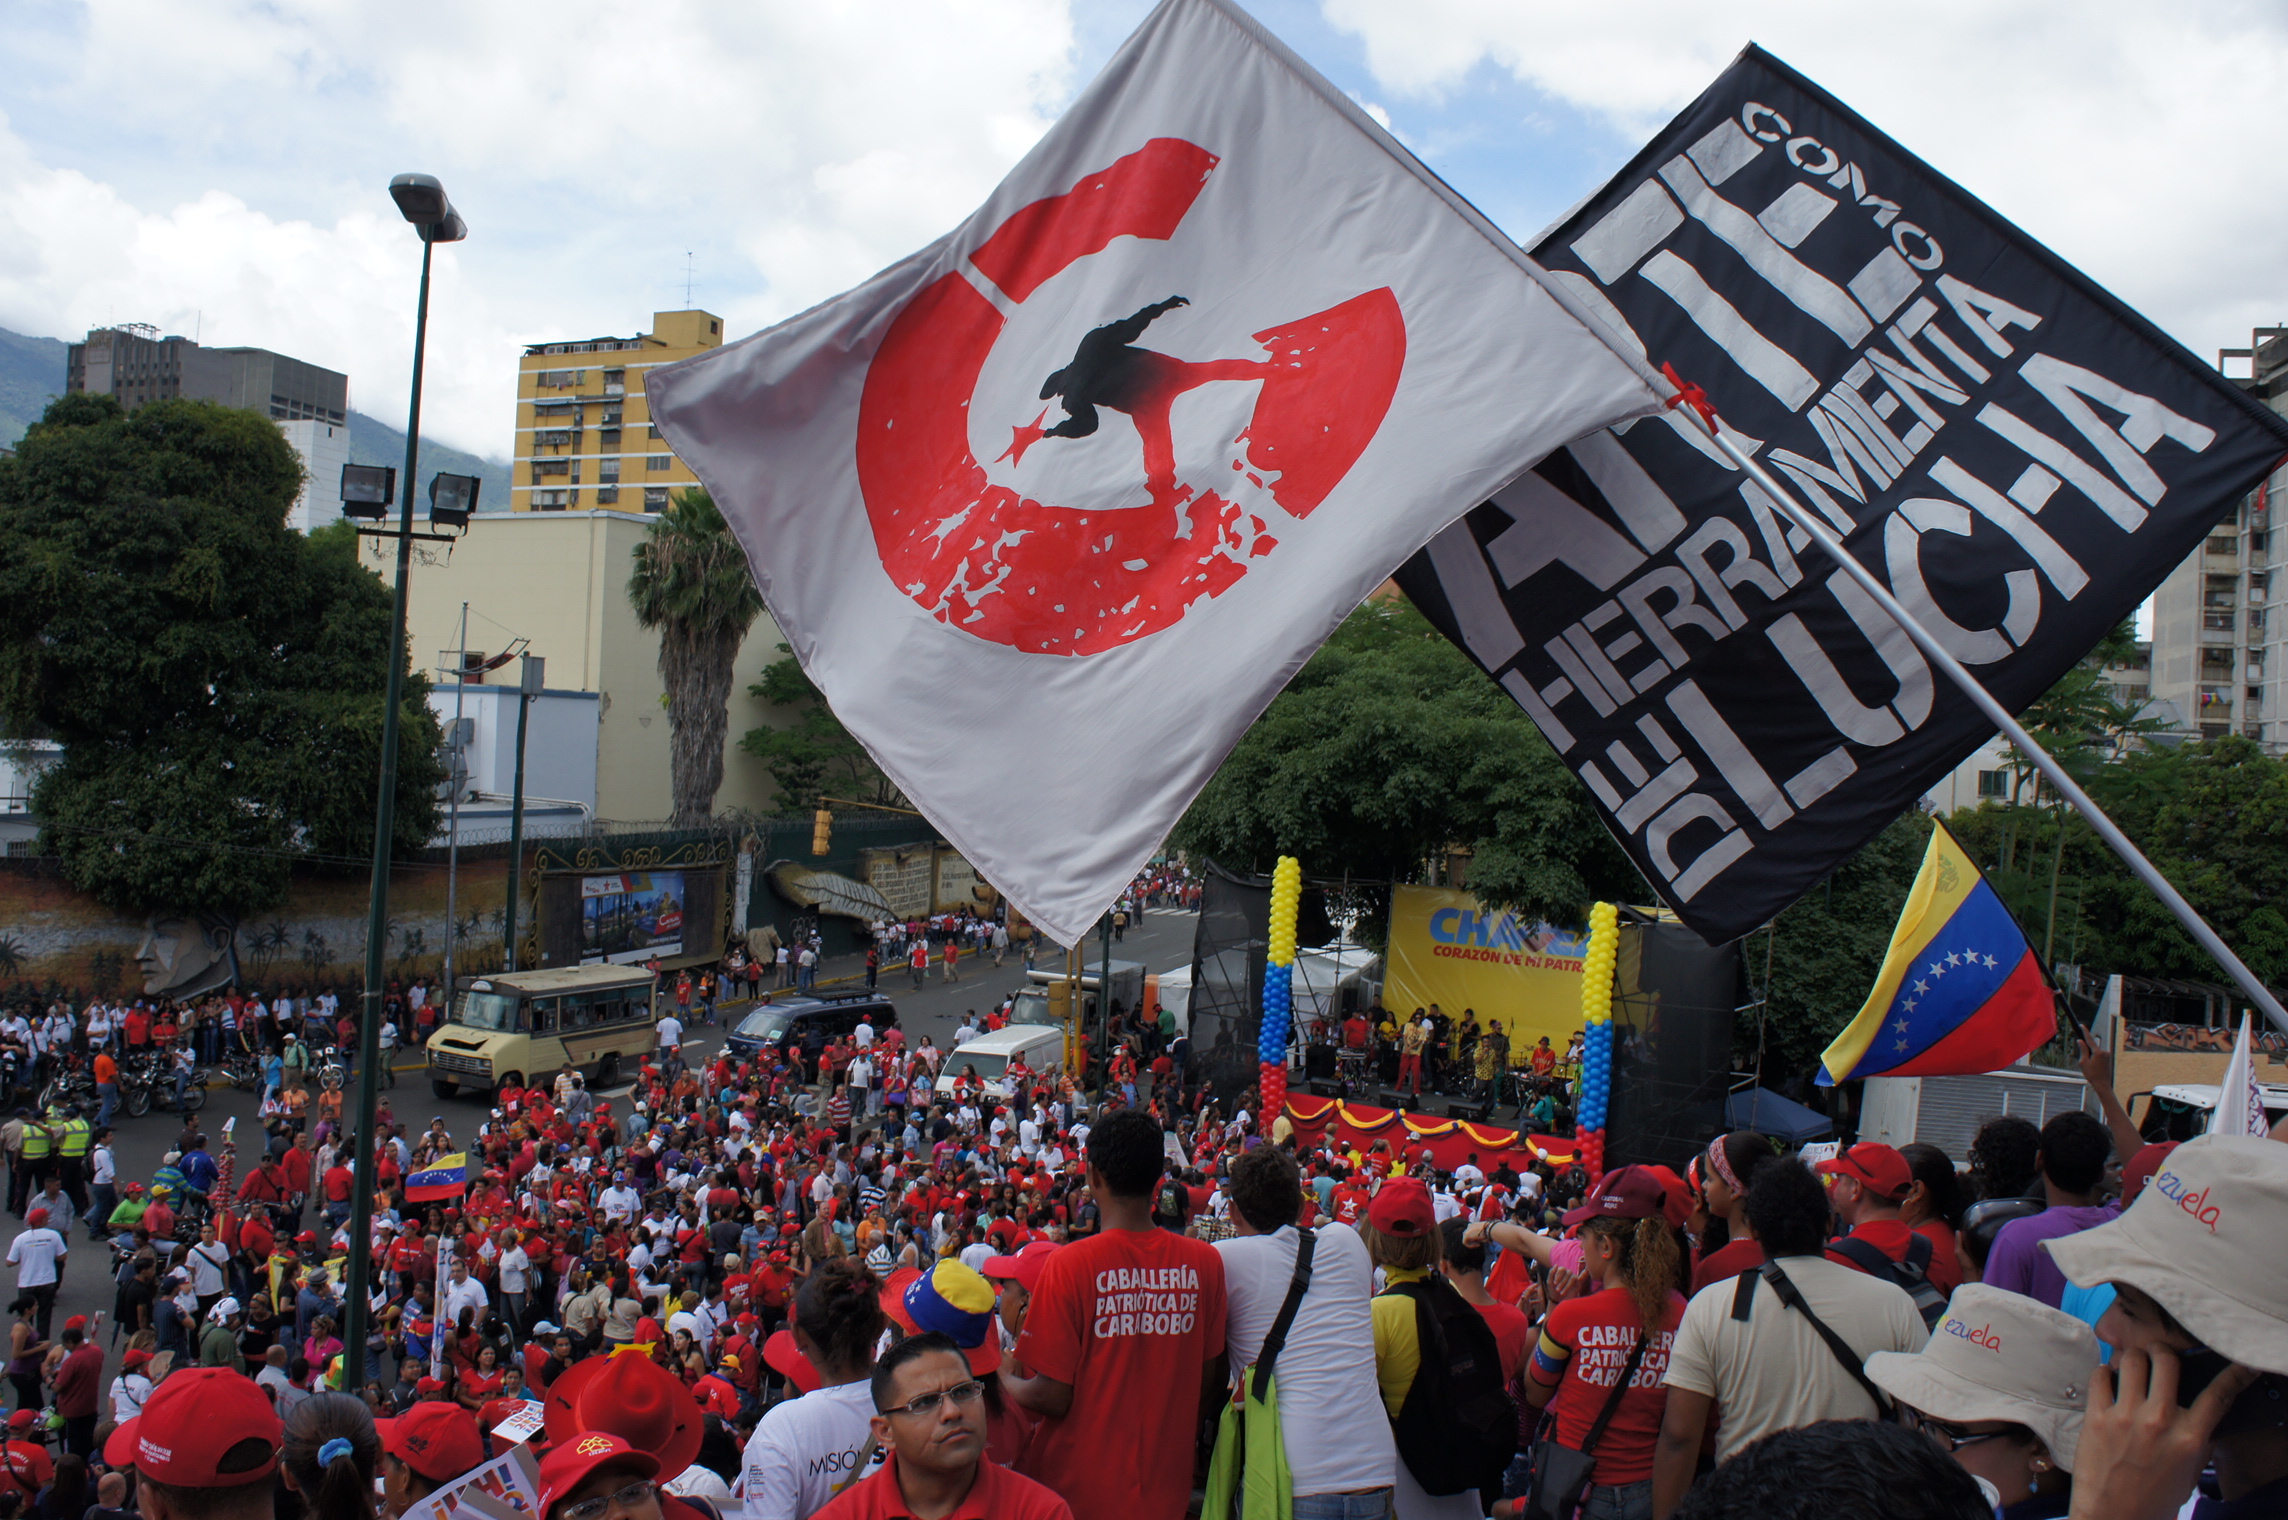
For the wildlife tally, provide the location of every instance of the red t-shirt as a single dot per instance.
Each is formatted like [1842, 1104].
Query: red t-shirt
[1130, 1319]
[997, 1494]
[1513, 1336]
[1727, 1262]
[1350, 1203]
[1890, 1237]
[1584, 1344]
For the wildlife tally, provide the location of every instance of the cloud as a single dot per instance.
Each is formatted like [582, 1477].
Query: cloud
[2135, 140]
[221, 164]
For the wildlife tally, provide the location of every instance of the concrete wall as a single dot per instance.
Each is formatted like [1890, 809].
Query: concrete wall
[325, 448]
[560, 579]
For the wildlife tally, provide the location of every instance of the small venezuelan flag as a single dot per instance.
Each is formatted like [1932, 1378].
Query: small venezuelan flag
[446, 1177]
[1961, 991]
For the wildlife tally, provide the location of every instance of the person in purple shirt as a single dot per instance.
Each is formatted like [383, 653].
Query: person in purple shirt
[2075, 1150]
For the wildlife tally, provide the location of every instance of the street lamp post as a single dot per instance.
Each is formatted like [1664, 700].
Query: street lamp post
[424, 203]
[531, 676]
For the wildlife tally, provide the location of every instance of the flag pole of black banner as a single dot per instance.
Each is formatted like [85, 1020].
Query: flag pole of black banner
[2016, 454]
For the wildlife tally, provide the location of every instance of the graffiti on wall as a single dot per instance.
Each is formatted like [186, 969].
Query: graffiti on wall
[53, 937]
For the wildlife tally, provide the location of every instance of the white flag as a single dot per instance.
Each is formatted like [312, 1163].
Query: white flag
[2240, 1102]
[1052, 509]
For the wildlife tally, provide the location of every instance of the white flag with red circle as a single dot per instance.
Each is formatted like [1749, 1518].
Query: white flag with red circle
[1053, 508]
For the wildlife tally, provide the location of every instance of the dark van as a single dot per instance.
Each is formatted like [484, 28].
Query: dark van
[807, 1021]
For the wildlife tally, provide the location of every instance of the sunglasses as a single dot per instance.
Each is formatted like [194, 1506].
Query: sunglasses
[1950, 1436]
[962, 1394]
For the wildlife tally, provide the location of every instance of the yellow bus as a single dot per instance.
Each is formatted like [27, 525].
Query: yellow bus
[521, 1027]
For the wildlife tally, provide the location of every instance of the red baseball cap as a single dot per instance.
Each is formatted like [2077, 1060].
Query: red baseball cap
[1402, 1208]
[2141, 1168]
[1633, 1192]
[1023, 1266]
[436, 1439]
[782, 1355]
[1880, 1167]
[571, 1463]
[191, 1420]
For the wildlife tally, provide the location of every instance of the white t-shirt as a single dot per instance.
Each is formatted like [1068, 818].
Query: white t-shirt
[513, 1266]
[1775, 1372]
[863, 1035]
[34, 1254]
[1330, 1409]
[467, 1293]
[805, 1452]
[670, 1032]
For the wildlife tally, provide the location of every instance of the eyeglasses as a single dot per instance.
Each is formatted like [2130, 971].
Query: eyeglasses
[961, 1394]
[595, 1509]
[1948, 1435]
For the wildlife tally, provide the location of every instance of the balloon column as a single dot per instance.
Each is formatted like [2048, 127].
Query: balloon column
[1597, 1029]
[1278, 987]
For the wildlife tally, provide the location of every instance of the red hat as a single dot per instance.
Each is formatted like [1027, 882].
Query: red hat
[76, 1322]
[1023, 1266]
[1633, 1192]
[632, 1397]
[437, 1440]
[2141, 1168]
[782, 1356]
[1879, 1167]
[36, 1218]
[136, 1357]
[23, 1419]
[570, 1463]
[194, 1417]
[429, 1385]
[1403, 1209]
[893, 1296]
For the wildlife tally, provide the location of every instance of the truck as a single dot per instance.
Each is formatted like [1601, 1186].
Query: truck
[1946, 1111]
[1041, 999]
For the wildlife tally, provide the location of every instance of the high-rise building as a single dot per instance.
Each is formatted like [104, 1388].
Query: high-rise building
[584, 437]
[310, 404]
[2215, 653]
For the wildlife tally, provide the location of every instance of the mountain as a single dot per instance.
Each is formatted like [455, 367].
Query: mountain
[376, 442]
[32, 374]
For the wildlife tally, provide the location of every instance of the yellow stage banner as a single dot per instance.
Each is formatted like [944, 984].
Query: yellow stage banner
[1447, 948]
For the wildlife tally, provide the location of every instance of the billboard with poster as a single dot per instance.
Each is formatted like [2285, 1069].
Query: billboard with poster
[1447, 948]
[631, 916]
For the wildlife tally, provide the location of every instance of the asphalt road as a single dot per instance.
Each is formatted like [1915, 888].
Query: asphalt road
[1162, 941]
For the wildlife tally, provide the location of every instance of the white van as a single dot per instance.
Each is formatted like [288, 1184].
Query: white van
[1042, 1045]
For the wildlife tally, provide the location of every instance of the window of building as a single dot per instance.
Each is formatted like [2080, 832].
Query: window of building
[559, 379]
[550, 501]
[615, 382]
[654, 432]
[2259, 543]
[542, 467]
[659, 461]
[607, 469]
[607, 495]
[611, 417]
[2223, 544]
[1993, 783]
[2258, 584]
[655, 498]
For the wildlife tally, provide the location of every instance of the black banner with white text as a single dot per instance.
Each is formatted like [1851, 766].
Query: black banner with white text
[2018, 456]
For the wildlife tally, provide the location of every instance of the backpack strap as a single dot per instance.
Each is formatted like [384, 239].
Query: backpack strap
[1865, 1257]
[1613, 1400]
[1744, 1295]
[1852, 1362]
[1275, 1339]
[1918, 1252]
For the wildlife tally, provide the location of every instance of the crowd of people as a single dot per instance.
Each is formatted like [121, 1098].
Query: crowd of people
[784, 1288]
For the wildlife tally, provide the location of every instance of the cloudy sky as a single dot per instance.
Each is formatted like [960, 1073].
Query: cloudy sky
[219, 166]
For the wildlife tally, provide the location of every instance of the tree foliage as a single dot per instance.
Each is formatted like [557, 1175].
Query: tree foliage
[216, 679]
[1388, 748]
[691, 582]
[816, 757]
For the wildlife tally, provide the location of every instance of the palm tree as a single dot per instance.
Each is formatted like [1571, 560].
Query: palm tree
[692, 584]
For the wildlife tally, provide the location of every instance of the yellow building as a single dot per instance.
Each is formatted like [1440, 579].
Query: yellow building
[584, 437]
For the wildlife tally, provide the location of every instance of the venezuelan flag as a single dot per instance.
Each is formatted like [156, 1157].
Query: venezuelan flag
[446, 1177]
[1961, 991]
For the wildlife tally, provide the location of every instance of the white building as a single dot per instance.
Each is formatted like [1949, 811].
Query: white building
[480, 752]
[325, 448]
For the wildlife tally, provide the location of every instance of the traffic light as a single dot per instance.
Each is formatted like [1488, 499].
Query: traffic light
[821, 825]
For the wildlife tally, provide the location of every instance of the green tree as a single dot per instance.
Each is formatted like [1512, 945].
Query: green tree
[692, 583]
[1389, 748]
[215, 678]
[816, 757]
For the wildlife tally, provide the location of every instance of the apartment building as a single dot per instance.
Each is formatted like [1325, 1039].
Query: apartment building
[2217, 619]
[584, 438]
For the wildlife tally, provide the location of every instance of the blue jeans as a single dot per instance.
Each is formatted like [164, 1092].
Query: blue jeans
[107, 1094]
[1372, 1504]
[1625, 1501]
